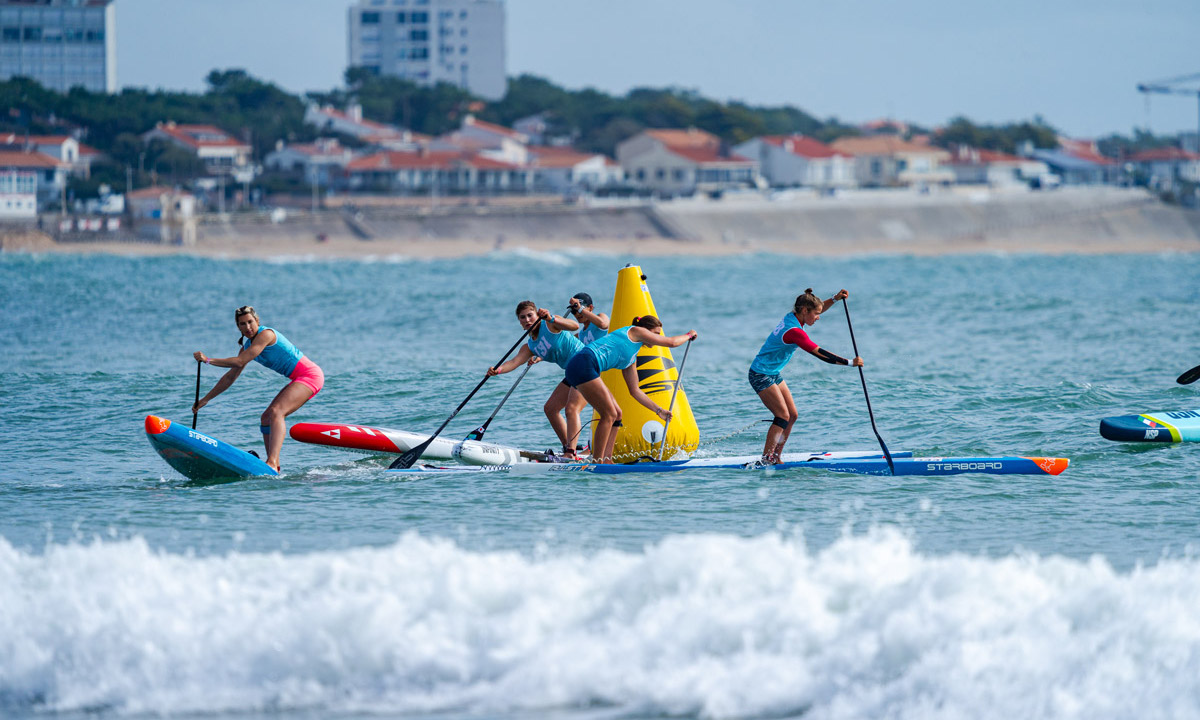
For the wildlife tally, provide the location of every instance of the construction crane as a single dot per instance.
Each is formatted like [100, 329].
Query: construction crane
[1182, 85]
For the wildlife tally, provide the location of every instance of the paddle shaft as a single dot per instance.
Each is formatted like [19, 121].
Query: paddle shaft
[1189, 377]
[862, 377]
[671, 407]
[477, 433]
[196, 411]
[407, 459]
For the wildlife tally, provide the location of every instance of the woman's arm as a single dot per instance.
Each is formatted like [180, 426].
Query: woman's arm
[840, 294]
[523, 356]
[631, 381]
[600, 320]
[646, 337]
[556, 323]
[243, 358]
[222, 385]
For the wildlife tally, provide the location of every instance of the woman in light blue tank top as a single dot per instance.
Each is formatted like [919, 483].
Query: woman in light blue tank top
[550, 339]
[594, 325]
[270, 348]
[765, 371]
[617, 351]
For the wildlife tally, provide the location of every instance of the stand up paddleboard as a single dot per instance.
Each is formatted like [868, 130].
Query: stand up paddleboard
[1171, 426]
[198, 456]
[362, 438]
[860, 463]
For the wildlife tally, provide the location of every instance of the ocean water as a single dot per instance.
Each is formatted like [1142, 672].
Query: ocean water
[336, 592]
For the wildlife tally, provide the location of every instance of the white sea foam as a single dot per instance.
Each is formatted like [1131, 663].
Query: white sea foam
[699, 625]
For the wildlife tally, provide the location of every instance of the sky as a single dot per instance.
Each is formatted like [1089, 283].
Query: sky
[1076, 63]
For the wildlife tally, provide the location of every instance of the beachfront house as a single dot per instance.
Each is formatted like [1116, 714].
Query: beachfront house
[330, 120]
[77, 156]
[976, 166]
[890, 161]
[1163, 168]
[49, 176]
[799, 161]
[18, 194]
[317, 163]
[220, 153]
[445, 172]
[566, 171]
[674, 163]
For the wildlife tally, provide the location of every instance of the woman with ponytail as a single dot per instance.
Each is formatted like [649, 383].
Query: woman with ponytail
[617, 350]
[269, 347]
[765, 372]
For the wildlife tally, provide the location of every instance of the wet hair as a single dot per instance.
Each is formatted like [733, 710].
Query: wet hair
[648, 322]
[529, 305]
[807, 301]
[237, 315]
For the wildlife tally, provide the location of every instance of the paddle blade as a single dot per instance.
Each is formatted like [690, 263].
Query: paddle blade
[1189, 377]
[477, 433]
[406, 460]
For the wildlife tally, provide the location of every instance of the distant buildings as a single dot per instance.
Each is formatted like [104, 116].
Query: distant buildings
[460, 42]
[888, 161]
[60, 43]
[797, 160]
[220, 153]
[683, 162]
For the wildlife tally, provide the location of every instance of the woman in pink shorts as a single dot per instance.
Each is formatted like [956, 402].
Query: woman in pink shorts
[269, 347]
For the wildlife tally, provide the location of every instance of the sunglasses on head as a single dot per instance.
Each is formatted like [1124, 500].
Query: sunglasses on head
[244, 310]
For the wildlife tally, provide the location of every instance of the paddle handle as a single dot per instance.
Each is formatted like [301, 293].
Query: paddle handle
[670, 407]
[195, 410]
[863, 378]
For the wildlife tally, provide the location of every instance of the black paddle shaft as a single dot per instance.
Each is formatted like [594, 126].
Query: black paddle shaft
[477, 433]
[406, 460]
[195, 410]
[1189, 377]
[862, 377]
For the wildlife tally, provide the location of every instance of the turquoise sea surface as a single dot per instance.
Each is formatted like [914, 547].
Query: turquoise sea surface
[336, 591]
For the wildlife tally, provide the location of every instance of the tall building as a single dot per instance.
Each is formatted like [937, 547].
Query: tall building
[460, 42]
[60, 43]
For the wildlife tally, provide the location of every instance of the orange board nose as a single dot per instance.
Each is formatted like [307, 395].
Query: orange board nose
[156, 425]
[1053, 466]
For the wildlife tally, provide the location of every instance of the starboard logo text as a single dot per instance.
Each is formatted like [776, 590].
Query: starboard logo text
[202, 438]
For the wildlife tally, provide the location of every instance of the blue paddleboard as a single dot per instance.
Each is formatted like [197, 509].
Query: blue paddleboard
[198, 456]
[1169, 426]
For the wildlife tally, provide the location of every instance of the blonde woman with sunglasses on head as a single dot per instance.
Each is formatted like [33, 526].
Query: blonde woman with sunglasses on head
[269, 347]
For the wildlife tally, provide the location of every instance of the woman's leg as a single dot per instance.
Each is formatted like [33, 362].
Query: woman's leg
[289, 399]
[778, 400]
[596, 393]
[575, 405]
[553, 407]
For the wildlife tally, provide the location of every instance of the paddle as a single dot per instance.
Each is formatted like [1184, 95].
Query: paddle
[1189, 377]
[678, 379]
[477, 433]
[863, 378]
[406, 460]
[196, 412]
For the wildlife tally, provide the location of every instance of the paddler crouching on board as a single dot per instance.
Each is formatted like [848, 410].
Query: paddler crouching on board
[775, 353]
[617, 350]
[550, 339]
[269, 347]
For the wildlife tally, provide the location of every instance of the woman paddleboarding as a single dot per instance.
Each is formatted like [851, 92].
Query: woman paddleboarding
[617, 350]
[593, 325]
[765, 372]
[269, 347]
[550, 339]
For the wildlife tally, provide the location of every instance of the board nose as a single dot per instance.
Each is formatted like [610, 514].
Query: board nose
[156, 425]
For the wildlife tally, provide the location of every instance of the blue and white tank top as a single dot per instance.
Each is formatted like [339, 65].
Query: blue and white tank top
[775, 353]
[591, 333]
[615, 350]
[555, 347]
[281, 355]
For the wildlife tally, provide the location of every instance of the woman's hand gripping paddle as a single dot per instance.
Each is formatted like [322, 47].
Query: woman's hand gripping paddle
[863, 378]
[671, 407]
[406, 460]
[1189, 377]
[195, 410]
[477, 433]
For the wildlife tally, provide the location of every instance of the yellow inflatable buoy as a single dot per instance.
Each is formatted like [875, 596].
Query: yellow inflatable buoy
[641, 433]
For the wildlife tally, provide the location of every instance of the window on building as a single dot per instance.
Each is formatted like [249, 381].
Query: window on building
[462, 15]
[12, 34]
[95, 36]
[419, 18]
[73, 35]
[677, 175]
[660, 174]
[33, 34]
[420, 53]
[641, 174]
[463, 50]
[418, 35]
[370, 18]
[401, 18]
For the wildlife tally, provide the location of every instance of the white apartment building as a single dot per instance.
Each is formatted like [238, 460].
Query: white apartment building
[60, 43]
[460, 42]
